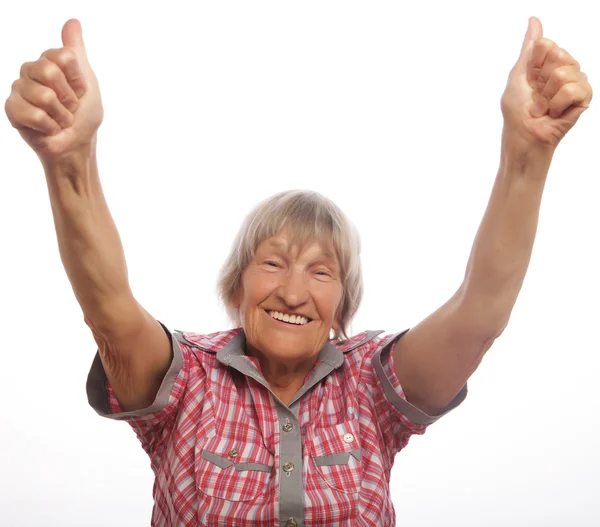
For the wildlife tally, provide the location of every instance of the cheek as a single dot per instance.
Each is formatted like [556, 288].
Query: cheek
[255, 297]
[330, 301]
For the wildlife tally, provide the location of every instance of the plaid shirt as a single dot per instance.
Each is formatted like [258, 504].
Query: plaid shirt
[226, 451]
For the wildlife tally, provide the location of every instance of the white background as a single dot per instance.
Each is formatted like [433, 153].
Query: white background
[390, 109]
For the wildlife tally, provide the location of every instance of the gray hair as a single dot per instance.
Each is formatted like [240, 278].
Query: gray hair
[308, 216]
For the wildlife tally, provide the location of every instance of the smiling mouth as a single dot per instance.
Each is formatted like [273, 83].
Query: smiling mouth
[291, 323]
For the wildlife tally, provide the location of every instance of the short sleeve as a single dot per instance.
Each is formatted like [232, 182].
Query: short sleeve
[152, 424]
[399, 418]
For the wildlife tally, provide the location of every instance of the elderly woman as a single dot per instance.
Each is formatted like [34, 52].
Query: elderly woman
[278, 422]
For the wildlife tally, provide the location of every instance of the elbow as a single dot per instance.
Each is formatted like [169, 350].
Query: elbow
[488, 315]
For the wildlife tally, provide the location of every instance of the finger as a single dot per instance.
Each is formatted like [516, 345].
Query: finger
[72, 37]
[45, 98]
[541, 49]
[534, 32]
[22, 114]
[559, 77]
[556, 58]
[574, 96]
[51, 74]
[67, 60]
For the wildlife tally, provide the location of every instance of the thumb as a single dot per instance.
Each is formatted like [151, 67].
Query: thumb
[72, 37]
[534, 32]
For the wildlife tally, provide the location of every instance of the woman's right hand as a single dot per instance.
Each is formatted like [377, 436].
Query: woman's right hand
[55, 104]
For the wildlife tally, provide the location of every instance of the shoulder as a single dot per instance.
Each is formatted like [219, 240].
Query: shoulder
[366, 343]
[208, 343]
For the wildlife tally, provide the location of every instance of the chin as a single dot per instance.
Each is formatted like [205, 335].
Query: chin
[287, 349]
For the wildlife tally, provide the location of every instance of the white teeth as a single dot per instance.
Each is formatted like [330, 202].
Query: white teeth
[293, 319]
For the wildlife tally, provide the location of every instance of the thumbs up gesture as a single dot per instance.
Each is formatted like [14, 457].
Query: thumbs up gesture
[55, 104]
[545, 95]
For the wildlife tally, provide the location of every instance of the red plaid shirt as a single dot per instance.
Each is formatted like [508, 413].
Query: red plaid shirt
[226, 451]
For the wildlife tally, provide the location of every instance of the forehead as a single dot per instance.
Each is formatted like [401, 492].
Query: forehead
[282, 242]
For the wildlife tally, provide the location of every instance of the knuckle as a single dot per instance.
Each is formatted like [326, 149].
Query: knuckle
[557, 54]
[547, 44]
[8, 105]
[38, 116]
[49, 53]
[48, 70]
[64, 57]
[25, 67]
[570, 89]
[560, 75]
[47, 96]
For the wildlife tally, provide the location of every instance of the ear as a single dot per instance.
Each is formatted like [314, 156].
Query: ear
[336, 324]
[338, 315]
[236, 300]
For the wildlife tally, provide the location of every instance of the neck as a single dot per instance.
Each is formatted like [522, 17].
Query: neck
[284, 379]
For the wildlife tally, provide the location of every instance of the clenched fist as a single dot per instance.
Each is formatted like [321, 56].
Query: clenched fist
[545, 95]
[55, 104]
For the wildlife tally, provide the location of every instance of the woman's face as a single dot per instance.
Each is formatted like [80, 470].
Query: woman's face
[280, 279]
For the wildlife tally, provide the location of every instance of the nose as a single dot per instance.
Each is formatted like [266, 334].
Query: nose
[293, 289]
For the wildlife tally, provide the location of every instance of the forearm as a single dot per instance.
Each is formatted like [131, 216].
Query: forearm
[504, 242]
[88, 240]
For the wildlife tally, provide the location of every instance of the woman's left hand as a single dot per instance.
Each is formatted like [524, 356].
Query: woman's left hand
[545, 95]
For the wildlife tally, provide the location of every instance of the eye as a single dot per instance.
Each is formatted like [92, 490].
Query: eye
[323, 273]
[273, 264]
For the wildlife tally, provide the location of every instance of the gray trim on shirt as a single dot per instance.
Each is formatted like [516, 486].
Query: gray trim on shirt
[410, 411]
[98, 395]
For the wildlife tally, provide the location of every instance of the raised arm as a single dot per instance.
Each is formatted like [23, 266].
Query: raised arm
[545, 95]
[56, 107]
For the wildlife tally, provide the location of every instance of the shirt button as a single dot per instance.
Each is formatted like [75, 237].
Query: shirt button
[348, 438]
[288, 427]
[288, 467]
[234, 452]
[291, 523]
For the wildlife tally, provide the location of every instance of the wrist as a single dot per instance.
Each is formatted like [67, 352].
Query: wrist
[72, 177]
[78, 157]
[525, 159]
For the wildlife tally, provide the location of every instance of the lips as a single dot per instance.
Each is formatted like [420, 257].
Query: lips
[287, 324]
[275, 313]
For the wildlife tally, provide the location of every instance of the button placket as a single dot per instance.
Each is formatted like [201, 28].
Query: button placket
[291, 505]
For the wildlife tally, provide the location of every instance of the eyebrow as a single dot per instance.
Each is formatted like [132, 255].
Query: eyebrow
[284, 247]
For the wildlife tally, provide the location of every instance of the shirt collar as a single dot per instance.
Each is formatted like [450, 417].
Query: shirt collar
[329, 354]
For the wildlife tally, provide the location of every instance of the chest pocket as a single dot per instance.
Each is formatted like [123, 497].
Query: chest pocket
[240, 472]
[336, 455]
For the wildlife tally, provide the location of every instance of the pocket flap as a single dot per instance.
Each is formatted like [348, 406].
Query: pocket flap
[224, 462]
[337, 459]
[220, 461]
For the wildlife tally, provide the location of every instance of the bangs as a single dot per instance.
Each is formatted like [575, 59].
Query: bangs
[305, 221]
